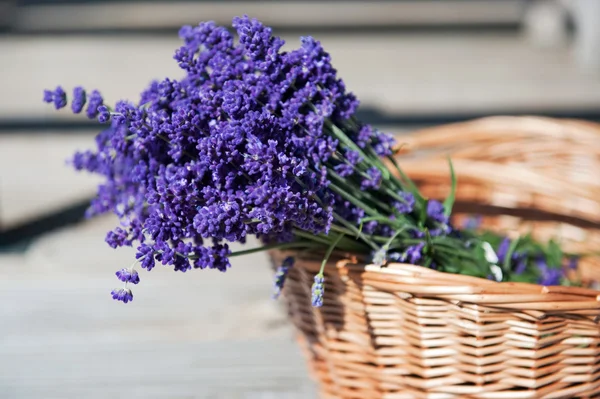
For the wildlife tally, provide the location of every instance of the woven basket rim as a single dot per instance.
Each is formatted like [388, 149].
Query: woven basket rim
[415, 280]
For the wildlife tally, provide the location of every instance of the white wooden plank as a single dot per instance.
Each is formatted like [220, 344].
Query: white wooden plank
[203, 334]
[225, 369]
[400, 73]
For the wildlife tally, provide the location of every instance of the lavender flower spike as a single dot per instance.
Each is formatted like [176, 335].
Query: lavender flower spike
[435, 210]
[318, 289]
[281, 275]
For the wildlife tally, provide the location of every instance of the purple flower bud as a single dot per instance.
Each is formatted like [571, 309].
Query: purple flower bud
[408, 203]
[521, 263]
[344, 170]
[58, 96]
[503, 250]
[146, 254]
[95, 100]
[353, 157]
[413, 253]
[128, 276]
[415, 233]
[373, 181]
[435, 210]
[281, 275]
[79, 99]
[383, 144]
[103, 114]
[48, 96]
[122, 294]
[317, 291]
[547, 275]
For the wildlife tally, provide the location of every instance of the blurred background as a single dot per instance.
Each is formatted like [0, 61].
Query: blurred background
[209, 335]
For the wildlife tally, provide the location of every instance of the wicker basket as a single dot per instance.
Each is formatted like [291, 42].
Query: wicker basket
[521, 174]
[405, 331]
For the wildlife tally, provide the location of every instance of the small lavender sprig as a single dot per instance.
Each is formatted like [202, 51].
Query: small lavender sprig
[318, 290]
[281, 275]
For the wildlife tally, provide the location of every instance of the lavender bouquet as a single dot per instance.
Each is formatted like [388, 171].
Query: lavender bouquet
[256, 141]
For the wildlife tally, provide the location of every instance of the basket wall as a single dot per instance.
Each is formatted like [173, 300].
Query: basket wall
[408, 332]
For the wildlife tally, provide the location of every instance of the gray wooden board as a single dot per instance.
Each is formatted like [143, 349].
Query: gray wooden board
[202, 334]
[227, 369]
[420, 74]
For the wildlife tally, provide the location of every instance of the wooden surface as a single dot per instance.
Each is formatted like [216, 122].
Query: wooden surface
[253, 369]
[414, 73]
[202, 334]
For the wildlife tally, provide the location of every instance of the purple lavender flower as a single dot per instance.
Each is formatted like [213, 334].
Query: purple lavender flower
[103, 114]
[503, 249]
[48, 96]
[547, 275]
[58, 96]
[364, 136]
[435, 210]
[413, 254]
[383, 143]
[317, 291]
[408, 203]
[520, 261]
[122, 294]
[281, 275]
[415, 233]
[344, 170]
[215, 257]
[145, 255]
[128, 276]
[373, 181]
[79, 99]
[95, 100]
[352, 158]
